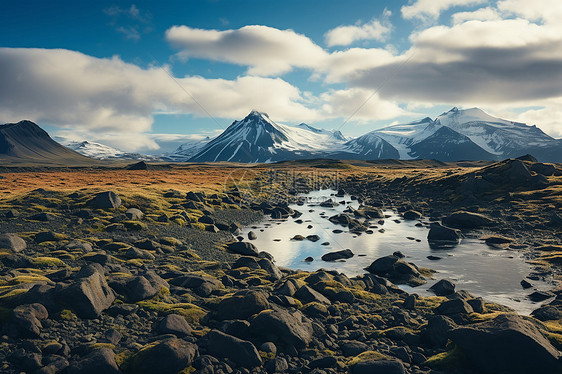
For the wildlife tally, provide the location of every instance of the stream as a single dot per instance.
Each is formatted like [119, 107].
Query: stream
[494, 274]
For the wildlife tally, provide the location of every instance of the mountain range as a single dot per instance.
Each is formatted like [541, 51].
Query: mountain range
[455, 135]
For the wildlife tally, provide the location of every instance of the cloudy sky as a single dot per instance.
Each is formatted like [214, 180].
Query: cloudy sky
[145, 76]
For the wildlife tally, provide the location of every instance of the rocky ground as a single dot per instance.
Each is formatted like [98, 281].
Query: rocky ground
[98, 282]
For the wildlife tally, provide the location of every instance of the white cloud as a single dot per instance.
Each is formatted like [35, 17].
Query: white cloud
[373, 30]
[361, 104]
[266, 50]
[536, 10]
[482, 14]
[423, 9]
[114, 100]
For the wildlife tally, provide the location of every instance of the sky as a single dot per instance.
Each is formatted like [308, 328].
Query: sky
[146, 76]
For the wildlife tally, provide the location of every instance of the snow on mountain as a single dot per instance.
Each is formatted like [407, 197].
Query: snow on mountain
[257, 138]
[495, 135]
[187, 150]
[104, 152]
[469, 134]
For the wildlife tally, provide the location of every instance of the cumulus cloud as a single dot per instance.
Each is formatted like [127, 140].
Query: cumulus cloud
[501, 61]
[537, 10]
[266, 50]
[87, 95]
[423, 9]
[361, 104]
[482, 14]
[373, 30]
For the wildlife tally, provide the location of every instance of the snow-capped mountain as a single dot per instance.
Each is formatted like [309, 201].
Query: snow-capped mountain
[104, 152]
[456, 135]
[257, 138]
[187, 150]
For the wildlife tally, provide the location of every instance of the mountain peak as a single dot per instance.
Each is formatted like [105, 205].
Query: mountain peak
[255, 113]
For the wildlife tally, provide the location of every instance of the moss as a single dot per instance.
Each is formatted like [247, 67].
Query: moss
[553, 326]
[21, 279]
[477, 317]
[453, 359]
[397, 332]
[192, 313]
[365, 295]
[367, 356]
[67, 315]
[188, 370]
[12, 293]
[135, 262]
[168, 240]
[135, 225]
[266, 355]
[197, 225]
[47, 261]
[93, 347]
[122, 357]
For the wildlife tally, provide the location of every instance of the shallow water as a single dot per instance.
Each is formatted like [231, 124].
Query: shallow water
[491, 273]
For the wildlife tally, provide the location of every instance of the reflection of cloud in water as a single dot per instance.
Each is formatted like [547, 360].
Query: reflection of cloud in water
[472, 265]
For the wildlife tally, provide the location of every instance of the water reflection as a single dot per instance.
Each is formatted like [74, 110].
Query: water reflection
[473, 266]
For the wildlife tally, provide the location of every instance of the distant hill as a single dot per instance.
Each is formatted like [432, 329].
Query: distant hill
[25, 142]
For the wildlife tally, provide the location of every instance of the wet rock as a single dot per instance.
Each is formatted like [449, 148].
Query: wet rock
[99, 361]
[440, 233]
[243, 248]
[411, 215]
[89, 294]
[526, 284]
[396, 269]
[241, 306]
[242, 352]
[308, 259]
[252, 235]
[540, 296]
[313, 238]
[12, 242]
[174, 324]
[547, 313]
[167, 356]
[290, 328]
[468, 220]
[338, 255]
[443, 288]
[106, 200]
[506, 344]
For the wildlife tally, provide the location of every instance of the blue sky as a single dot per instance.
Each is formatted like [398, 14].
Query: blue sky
[145, 76]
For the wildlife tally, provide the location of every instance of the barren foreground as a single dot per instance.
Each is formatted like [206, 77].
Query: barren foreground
[139, 271]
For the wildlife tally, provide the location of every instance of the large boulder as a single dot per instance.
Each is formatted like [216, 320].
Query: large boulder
[467, 220]
[308, 295]
[243, 248]
[135, 288]
[242, 352]
[443, 288]
[440, 233]
[12, 242]
[280, 325]
[106, 200]
[507, 344]
[397, 270]
[241, 306]
[99, 361]
[89, 294]
[25, 321]
[167, 356]
[174, 324]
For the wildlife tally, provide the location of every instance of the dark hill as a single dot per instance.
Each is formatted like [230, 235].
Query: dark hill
[25, 142]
